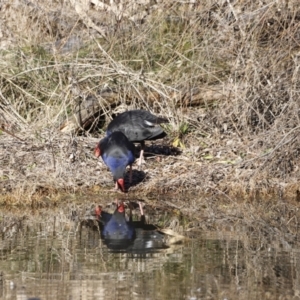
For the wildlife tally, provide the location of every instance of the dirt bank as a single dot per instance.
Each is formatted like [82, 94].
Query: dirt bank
[50, 162]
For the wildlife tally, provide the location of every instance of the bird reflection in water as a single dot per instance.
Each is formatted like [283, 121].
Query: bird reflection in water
[120, 233]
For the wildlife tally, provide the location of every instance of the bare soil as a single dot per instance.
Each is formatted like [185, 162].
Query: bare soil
[51, 162]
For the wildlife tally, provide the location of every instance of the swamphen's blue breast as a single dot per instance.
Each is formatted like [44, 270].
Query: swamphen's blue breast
[118, 233]
[117, 153]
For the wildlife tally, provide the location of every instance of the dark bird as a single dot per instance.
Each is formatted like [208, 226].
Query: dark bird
[117, 153]
[138, 126]
[117, 231]
[120, 234]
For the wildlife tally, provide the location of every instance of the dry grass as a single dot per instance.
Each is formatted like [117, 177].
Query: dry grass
[229, 71]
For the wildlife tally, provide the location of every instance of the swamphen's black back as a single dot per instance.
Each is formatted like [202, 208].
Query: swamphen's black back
[138, 125]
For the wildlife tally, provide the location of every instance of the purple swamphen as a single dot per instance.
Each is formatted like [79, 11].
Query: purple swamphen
[117, 153]
[138, 126]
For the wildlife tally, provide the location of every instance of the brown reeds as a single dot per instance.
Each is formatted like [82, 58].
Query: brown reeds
[226, 75]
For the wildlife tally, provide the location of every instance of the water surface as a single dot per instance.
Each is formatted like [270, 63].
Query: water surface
[54, 256]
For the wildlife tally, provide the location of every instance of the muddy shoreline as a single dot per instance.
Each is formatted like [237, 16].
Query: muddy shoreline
[53, 175]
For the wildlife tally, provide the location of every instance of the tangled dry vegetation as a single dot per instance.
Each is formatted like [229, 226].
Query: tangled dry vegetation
[225, 73]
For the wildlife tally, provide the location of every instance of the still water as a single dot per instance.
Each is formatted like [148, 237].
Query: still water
[52, 255]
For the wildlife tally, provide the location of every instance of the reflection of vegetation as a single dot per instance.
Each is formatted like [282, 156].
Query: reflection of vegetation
[48, 248]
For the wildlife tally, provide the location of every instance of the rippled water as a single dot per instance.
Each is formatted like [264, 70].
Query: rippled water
[57, 258]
